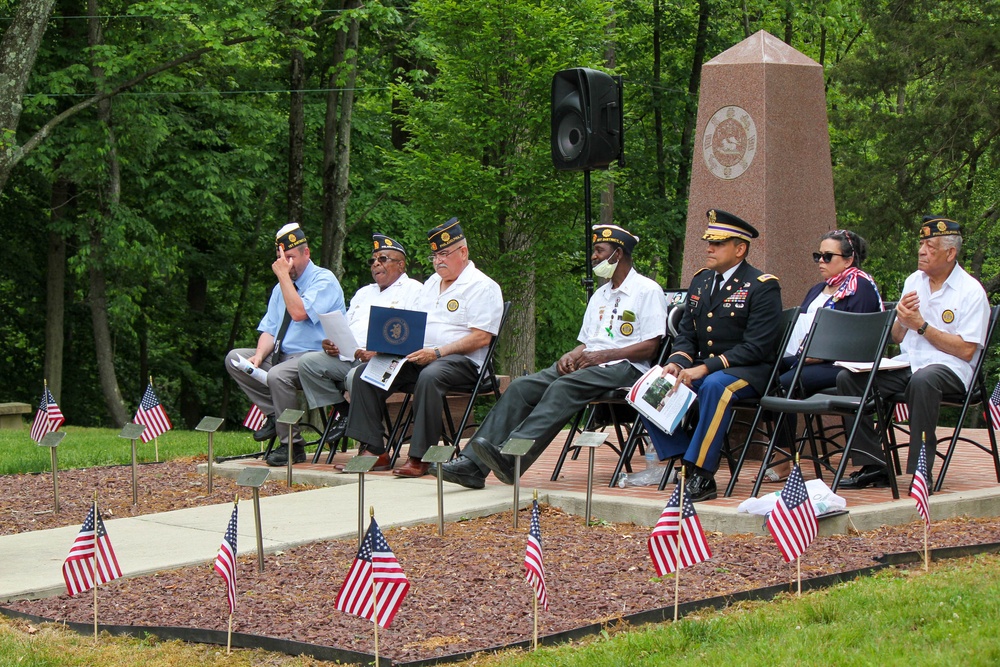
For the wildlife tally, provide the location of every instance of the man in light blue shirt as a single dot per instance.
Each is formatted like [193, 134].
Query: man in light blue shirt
[289, 329]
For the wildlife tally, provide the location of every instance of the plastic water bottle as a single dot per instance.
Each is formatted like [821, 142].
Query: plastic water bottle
[652, 460]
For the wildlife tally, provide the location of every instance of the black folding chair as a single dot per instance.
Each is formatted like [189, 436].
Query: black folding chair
[486, 383]
[835, 336]
[773, 388]
[977, 394]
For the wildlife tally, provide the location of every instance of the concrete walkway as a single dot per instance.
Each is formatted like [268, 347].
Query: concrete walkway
[32, 561]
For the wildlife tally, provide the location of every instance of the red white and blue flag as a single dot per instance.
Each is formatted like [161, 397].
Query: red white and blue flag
[152, 415]
[225, 562]
[49, 417]
[993, 407]
[534, 568]
[793, 523]
[254, 419]
[901, 412]
[375, 577]
[919, 488]
[91, 560]
[663, 541]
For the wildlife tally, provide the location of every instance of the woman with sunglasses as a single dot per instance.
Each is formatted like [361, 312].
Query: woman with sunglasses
[844, 287]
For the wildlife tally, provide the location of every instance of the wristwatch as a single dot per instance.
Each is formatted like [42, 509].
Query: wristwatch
[437, 352]
[923, 328]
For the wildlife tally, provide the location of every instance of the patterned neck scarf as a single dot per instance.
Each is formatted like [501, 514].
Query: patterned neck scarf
[846, 282]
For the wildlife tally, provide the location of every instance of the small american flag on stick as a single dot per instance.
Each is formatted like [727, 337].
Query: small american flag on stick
[152, 415]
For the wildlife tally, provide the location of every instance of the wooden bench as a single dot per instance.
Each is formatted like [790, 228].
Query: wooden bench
[10, 414]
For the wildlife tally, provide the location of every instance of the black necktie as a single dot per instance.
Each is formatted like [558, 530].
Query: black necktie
[280, 338]
[718, 285]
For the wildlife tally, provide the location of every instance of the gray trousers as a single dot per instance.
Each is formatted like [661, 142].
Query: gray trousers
[923, 391]
[539, 405]
[280, 392]
[323, 378]
[429, 385]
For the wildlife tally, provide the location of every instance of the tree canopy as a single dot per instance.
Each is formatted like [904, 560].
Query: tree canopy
[150, 151]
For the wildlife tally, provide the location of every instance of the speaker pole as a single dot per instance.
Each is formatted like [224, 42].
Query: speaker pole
[588, 281]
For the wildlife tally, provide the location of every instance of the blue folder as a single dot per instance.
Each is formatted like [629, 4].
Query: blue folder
[395, 330]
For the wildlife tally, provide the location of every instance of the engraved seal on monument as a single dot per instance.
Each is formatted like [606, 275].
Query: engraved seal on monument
[729, 143]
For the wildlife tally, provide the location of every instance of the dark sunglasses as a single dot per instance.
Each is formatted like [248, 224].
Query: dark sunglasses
[826, 257]
[381, 259]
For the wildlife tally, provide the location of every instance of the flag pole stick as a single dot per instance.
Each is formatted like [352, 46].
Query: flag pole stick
[371, 514]
[926, 552]
[534, 595]
[94, 566]
[798, 559]
[677, 548]
[156, 439]
[229, 634]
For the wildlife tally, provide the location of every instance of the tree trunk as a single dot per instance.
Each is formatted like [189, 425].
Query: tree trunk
[18, 50]
[337, 146]
[296, 133]
[111, 195]
[516, 352]
[234, 330]
[55, 293]
[675, 264]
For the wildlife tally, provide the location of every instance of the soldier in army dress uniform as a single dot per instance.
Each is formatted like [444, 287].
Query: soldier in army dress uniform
[724, 350]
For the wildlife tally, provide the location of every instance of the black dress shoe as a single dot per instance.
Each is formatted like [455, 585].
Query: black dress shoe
[279, 457]
[501, 464]
[868, 475]
[267, 431]
[465, 472]
[701, 486]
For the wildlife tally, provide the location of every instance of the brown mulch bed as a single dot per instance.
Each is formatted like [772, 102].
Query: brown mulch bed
[26, 501]
[468, 590]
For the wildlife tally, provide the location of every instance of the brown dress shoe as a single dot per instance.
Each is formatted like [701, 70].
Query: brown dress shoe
[382, 464]
[414, 468]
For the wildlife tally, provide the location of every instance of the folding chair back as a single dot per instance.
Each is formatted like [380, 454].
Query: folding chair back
[842, 336]
[788, 318]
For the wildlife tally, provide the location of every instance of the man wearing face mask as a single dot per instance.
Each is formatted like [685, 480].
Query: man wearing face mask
[621, 333]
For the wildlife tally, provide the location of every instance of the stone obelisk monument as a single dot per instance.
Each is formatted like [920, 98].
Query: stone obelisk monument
[762, 152]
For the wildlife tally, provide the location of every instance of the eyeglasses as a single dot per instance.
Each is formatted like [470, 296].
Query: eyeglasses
[826, 257]
[443, 254]
[381, 259]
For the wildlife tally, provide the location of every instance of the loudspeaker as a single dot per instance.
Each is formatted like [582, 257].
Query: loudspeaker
[587, 126]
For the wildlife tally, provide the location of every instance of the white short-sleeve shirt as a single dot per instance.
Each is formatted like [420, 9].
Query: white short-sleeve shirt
[473, 301]
[401, 294]
[617, 318]
[959, 307]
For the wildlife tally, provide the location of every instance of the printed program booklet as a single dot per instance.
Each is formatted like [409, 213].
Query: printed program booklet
[652, 398]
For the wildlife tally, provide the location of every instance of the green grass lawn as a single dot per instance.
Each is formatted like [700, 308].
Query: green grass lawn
[946, 617]
[87, 447]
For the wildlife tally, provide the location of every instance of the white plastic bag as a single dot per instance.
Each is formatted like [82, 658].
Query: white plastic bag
[824, 500]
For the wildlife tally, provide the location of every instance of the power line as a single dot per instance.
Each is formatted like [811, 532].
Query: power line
[210, 92]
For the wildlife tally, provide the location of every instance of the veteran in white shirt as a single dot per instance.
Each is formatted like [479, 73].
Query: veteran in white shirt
[324, 375]
[940, 326]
